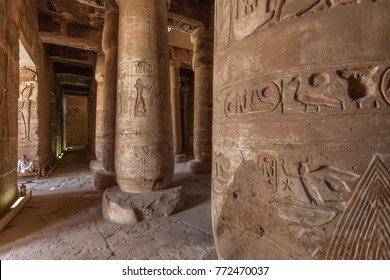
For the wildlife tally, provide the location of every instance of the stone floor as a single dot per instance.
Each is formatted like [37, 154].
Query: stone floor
[63, 220]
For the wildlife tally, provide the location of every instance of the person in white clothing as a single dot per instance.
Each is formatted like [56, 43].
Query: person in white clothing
[24, 165]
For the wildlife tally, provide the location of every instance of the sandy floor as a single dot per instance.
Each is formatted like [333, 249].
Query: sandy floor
[63, 220]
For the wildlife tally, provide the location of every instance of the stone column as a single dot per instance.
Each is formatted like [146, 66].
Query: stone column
[202, 64]
[96, 165]
[106, 178]
[301, 153]
[175, 103]
[143, 148]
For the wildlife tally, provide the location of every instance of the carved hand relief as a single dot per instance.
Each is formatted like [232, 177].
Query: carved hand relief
[325, 91]
[248, 16]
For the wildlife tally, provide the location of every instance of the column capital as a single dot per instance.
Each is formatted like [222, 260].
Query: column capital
[111, 5]
[173, 59]
[203, 47]
[110, 29]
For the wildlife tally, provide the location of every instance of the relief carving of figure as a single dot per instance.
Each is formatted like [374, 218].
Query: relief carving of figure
[314, 98]
[25, 108]
[322, 184]
[146, 91]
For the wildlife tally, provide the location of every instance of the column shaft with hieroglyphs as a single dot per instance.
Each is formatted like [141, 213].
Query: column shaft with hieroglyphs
[301, 130]
[106, 177]
[202, 64]
[174, 67]
[96, 165]
[144, 155]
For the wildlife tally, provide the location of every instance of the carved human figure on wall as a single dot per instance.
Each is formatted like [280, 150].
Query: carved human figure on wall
[145, 88]
[25, 105]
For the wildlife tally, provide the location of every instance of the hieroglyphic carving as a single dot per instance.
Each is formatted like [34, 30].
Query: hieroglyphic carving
[184, 56]
[322, 184]
[124, 93]
[257, 99]
[385, 86]
[364, 228]
[248, 16]
[326, 91]
[360, 83]
[313, 98]
[222, 168]
[181, 25]
[28, 87]
[146, 93]
[268, 169]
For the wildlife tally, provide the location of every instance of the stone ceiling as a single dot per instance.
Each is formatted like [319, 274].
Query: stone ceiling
[71, 31]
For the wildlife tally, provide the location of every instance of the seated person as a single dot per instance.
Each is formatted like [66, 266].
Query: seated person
[24, 165]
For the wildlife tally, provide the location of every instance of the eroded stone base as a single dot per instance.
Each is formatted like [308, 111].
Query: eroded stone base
[104, 180]
[126, 208]
[180, 158]
[199, 167]
[95, 166]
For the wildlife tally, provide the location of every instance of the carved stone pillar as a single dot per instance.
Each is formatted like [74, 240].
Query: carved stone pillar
[143, 149]
[96, 165]
[203, 100]
[106, 178]
[175, 102]
[301, 121]
[144, 154]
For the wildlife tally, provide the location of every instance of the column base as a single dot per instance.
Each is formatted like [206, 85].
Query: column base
[199, 167]
[180, 158]
[104, 180]
[127, 208]
[95, 166]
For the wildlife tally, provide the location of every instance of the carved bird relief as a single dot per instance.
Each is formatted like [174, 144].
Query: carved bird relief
[313, 98]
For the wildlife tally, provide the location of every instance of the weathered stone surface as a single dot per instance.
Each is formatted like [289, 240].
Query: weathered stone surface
[103, 180]
[126, 208]
[95, 166]
[9, 77]
[203, 95]
[301, 93]
[28, 121]
[99, 132]
[107, 113]
[174, 67]
[144, 153]
[76, 121]
[199, 167]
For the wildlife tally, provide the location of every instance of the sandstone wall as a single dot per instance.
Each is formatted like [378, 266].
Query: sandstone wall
[76, 121]
[301, 129]
[28, 121]
[40, 125]
[9, 76]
